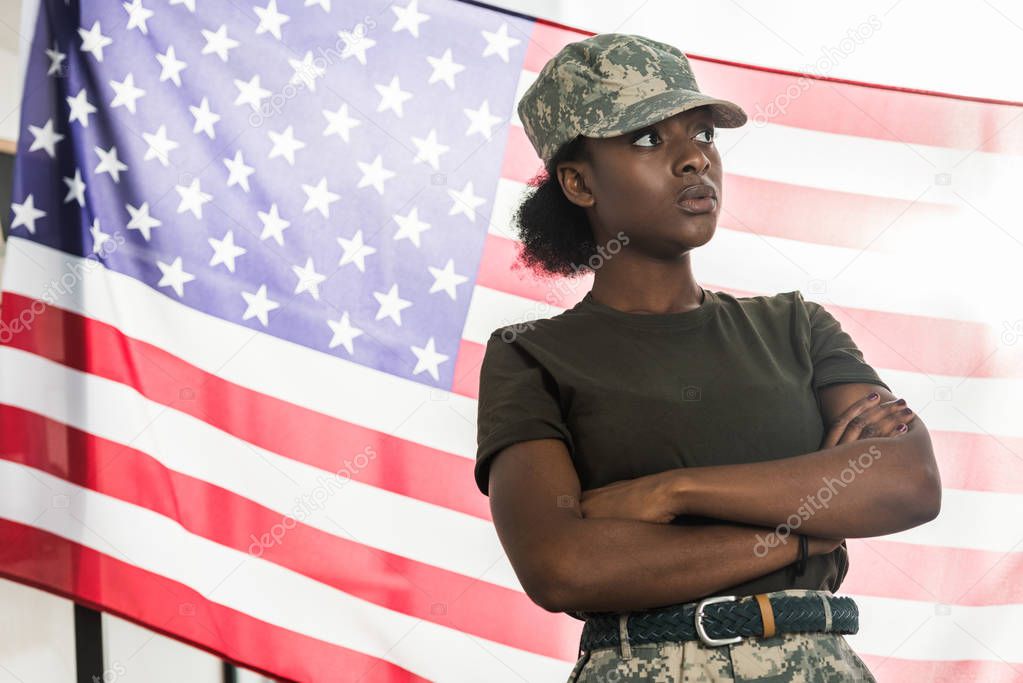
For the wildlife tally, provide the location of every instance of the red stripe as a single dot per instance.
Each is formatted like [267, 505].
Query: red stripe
[894, 670]
[895, 341]
[79, 342]
[386, 579]
[49, 562]
[953, 576]
[43, 560]
[835, 105]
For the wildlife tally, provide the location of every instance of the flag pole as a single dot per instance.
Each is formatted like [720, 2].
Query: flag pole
[88, 644]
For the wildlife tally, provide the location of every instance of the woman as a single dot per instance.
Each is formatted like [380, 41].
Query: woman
[656, 456]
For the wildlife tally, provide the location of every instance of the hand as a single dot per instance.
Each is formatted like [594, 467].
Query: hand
[862, 420]
[653, 498]
[817, 545]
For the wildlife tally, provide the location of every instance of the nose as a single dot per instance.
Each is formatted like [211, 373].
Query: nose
[690, 157]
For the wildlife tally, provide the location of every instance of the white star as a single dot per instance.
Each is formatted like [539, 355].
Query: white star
[75, 189]
[465, 202]
[257, 305]
[344, 333]
[319, 197]
[480, 120]
[273, 225]
[45, 138]
[446, 279]
[109, 163]
[137, 15]
[356, 44]
[192, 198]
[429, 149]
[308, 279]
[171, 66]
[80, 108]
[250, 93]
[189, 4]
[99, 238]
[238, 171]
[445, 69]
[285, 145]
[409, 17]
[26, 214]
[324, 4]
[127, 93]
[225, 251]
[410, 227]
[218, 42]
[270, 19]
[56, 59]
[340, 122]
[355, 251]
[160, 145]
[204, 118]
[93, 41]
[428, 359]
[392, 96]
[141, 220]
[498, 43]
[374, 174]
[391, 305]
[174, 276]
[306, 71]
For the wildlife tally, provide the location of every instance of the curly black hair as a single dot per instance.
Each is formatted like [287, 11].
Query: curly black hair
[556, 235]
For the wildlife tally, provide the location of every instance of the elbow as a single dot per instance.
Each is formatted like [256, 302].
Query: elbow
[551, 585]
[929, 497]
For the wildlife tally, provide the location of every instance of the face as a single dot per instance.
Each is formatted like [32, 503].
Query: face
[632, 183]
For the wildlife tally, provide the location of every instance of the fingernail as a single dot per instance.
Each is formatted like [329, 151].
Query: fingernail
[874, 396]
[907, 411]
[902, 428]
[901, 402]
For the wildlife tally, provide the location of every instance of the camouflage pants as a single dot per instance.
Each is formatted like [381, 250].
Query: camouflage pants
[782, 658]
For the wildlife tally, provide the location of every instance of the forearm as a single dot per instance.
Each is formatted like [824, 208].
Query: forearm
[623, 564]
[869, 487]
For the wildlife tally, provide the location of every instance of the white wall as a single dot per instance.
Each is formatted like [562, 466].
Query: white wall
[944, 46]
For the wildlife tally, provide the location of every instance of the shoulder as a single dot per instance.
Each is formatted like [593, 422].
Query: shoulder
[771, 306]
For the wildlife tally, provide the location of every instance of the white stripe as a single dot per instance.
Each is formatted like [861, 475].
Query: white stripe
[384, 402]
[917, 630]
[344, 507]
[977, 405]
[972, 405]
[259, 588]
[367, 514]
[867, 166]
[911, 283]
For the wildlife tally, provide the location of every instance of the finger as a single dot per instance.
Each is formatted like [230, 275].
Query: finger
[890, 425]
[837, 430]
[875, 421]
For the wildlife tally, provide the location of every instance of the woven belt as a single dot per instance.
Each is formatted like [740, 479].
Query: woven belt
[724, 619]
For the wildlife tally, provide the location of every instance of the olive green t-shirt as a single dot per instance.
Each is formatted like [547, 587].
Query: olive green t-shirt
[735, 380]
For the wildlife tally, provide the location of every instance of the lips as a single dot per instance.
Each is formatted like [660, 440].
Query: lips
[698, 191]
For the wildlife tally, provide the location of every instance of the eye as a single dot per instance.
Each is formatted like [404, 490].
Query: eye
[710, 134]
[643, 134]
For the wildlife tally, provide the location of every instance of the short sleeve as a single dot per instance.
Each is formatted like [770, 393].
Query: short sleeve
[836, 358]
[518, 401]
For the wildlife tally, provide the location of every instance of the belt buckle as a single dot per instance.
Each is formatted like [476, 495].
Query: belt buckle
[702, 632]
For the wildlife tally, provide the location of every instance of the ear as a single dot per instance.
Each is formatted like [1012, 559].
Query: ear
[571, 176]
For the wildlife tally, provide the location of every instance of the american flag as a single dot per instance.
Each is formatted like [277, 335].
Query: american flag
[257, 249]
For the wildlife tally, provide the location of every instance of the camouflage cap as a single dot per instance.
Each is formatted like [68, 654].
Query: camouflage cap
[609, 84]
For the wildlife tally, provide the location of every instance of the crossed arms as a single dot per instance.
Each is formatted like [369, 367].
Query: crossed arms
[611, 549]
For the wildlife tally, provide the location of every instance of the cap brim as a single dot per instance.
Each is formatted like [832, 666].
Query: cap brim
[659, 107]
